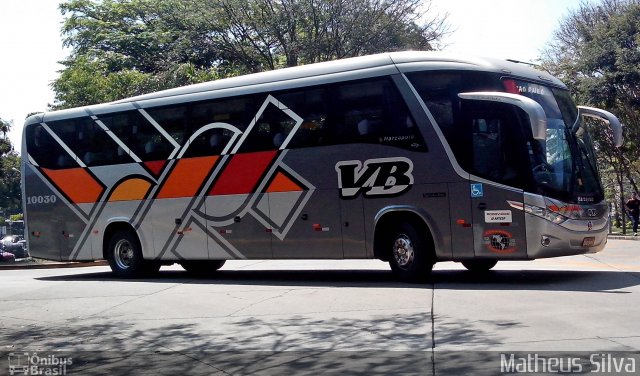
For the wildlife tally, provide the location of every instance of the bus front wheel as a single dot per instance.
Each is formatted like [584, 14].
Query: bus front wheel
[411, 257]
[124, 255]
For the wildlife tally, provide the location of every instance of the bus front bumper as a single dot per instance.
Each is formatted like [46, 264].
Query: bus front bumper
[573, 237]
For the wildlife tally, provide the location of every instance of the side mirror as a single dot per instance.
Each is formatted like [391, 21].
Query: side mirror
[602, 115]
[536, 114]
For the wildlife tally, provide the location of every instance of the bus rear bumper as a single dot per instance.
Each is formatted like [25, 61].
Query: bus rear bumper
[546, 239]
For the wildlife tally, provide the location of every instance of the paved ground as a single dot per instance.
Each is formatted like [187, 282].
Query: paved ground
[329, 317]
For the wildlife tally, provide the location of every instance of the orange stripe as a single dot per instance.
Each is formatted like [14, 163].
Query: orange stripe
[131, 189]
[187, 177]
[76, 183]
[281, 183]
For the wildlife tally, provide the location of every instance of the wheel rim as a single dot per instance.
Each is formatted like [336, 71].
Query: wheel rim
[123, 254]
[403, 253]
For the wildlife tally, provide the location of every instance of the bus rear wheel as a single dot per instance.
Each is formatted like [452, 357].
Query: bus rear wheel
[124, 255]
[202, 268]
[411, 257]
[479, 266]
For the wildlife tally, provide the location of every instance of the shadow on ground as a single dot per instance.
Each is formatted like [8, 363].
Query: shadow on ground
[122, 348]
[301, 344]
[334, 346]
[539, 280]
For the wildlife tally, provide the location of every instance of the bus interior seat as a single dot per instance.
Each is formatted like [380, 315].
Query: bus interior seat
[217, 143]
[279, 138]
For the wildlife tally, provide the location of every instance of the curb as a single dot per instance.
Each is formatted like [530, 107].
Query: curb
[624, 237]
[53, 265]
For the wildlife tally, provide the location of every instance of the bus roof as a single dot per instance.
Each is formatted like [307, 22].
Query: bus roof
[393, 62]
[356, 63]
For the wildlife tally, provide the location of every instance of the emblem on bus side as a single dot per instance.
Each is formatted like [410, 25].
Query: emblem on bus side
[380, 177]
[499, 241]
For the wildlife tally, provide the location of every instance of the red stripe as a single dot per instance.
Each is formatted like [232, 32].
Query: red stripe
[242, 173]
[155, 166]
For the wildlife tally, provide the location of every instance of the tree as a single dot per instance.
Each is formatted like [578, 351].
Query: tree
[596, 51]
[128, 47]
[10, 192]
[267, 34]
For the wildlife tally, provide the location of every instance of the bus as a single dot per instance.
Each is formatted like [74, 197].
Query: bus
[407, 157]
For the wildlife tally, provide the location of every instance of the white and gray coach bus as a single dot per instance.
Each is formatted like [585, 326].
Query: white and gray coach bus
[409, 157]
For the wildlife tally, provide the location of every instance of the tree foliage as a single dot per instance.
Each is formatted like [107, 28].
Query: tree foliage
[596, 51]
[127, 47]
[10, 192]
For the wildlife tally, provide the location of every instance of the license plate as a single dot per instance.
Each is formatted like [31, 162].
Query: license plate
[588, 242]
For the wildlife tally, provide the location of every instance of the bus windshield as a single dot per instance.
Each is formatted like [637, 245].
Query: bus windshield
[564, 166]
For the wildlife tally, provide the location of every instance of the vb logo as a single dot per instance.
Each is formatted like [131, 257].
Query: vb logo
[376, 178]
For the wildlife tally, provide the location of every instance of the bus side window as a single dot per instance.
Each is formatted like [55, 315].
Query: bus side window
[374, 112]
[147, 141]
[310, 105]
[46, 151]
[274, 125]
[89, 142]
[125, 126]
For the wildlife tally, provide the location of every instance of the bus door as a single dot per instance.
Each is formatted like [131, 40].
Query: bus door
[498, 164]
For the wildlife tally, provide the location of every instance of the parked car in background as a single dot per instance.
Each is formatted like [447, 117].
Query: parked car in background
[14, 244]
[7, 257]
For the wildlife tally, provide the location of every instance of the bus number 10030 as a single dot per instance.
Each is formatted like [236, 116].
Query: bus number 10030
[33, 200]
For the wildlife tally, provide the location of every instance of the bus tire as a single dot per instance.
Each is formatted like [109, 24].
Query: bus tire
[124, 255]
[202, 268]
[479, 266]
[411, 257]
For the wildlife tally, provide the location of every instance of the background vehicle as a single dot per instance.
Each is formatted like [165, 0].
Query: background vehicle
[7, 257]
[14, 244]
[411, 158]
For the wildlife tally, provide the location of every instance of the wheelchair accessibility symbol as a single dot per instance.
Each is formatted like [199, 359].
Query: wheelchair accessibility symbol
[476, 190]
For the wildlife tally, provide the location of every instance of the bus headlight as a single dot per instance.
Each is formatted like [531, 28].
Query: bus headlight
[545, 213]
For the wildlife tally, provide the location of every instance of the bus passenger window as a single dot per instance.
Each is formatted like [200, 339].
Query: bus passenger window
[374, 112]
[311, 105]
[46, 151]
[209, 143]
[270, 131]
[89, 142]
[140, 136]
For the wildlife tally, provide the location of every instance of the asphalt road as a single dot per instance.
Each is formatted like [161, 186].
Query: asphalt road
[320, 317]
